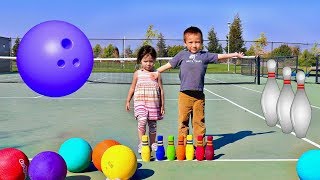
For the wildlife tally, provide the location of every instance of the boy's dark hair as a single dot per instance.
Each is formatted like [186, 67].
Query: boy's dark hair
[192, 30]
[144, 50]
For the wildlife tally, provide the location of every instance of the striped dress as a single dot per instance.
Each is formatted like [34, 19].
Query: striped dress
[147, 97]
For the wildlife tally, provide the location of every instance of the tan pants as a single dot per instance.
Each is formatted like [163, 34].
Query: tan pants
[191, 103]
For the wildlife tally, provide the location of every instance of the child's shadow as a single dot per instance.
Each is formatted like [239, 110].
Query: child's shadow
[230, 138]
[142, 173]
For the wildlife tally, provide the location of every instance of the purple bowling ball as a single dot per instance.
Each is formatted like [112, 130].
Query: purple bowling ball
[55, 58]
[47, 165]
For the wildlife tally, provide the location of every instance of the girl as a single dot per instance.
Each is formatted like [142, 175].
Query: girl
[148, 96]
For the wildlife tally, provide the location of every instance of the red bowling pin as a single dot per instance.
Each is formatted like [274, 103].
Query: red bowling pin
[200, 149]
[209, 148]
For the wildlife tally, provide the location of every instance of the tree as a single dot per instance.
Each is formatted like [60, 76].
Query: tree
[116, 53]
[97, 50]
[15, 47]
[257, 48]
[259, 44]
[173, 50]
[295, 50]
[213, 44]
[128, 52]
[306, 58]
[149, 35]
[108, 51]
[251, 51]
[161, 47]
[236, 39]
[283, 50]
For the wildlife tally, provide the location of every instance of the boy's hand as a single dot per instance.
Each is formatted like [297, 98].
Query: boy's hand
[239, 54]
[154, 75]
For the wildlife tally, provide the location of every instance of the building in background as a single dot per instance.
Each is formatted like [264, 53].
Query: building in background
[5, 48]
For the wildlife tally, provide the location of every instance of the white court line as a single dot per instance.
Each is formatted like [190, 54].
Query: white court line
[236, 160]
[15, 97]
[251, 89]
[103, 99]
[228, 160]
[305, 139]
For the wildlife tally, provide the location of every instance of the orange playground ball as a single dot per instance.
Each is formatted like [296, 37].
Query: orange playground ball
[99, 149]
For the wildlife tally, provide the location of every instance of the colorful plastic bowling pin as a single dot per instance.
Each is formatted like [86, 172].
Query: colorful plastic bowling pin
[285, 101]
[171, 151]
[145, 149]
[160, 153]
[181, 149]
[300, 108]
[189, 148]
[270, 96]
[200, 149]
[209, 150]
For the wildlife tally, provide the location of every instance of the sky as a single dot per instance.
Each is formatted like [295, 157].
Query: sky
[285, 21]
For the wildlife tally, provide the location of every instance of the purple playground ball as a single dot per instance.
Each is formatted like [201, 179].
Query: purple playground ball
[47, 165]
[55, 58]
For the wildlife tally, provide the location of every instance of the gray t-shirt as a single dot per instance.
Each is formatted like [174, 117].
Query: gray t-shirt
[193, 68]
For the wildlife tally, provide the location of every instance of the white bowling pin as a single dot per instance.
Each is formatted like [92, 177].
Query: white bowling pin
[270, 95]
[285, 101]
[300, 108]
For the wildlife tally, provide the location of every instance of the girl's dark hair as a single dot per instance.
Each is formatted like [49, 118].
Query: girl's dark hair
[144, 50]
[192, 30]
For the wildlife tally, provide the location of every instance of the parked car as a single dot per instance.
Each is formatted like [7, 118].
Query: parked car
[294, 72]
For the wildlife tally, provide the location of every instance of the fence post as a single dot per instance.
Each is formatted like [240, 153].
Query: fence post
[317, 69]
[258, 69]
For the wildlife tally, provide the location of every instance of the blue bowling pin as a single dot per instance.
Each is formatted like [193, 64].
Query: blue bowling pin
[160, 153]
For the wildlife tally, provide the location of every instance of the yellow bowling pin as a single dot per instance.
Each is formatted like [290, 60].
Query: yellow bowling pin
[189, 148]
[145, 149]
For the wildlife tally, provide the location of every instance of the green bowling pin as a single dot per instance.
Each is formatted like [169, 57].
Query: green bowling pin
[171, 151]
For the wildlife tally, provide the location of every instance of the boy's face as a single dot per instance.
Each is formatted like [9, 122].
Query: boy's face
[193, 42]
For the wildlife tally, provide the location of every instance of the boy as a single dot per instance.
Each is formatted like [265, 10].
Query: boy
[193, 64]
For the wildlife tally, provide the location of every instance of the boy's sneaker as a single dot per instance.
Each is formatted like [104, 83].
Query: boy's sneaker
[154, 147]
[139, 148]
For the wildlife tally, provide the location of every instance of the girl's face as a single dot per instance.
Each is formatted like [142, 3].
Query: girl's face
[193, 42]
[147, 62]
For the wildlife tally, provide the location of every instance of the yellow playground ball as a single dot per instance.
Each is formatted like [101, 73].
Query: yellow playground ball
[119, 162]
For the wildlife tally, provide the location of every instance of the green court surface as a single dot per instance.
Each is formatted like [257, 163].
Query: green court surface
[245, 147]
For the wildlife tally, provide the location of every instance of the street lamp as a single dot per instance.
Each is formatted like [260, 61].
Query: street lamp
[229, 45]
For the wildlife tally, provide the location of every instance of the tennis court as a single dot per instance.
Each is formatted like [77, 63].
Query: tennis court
[245, 147]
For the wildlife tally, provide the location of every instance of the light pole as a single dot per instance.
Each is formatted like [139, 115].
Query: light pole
[229, 44]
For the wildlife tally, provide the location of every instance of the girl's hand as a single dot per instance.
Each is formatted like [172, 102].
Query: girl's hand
[154, 75]
[162, 110]
[128, 106]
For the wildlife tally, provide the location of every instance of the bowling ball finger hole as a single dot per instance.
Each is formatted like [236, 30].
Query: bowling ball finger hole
[76, 62]
[61, 63]
[66, 43]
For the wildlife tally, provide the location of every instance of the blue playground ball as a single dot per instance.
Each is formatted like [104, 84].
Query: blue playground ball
[308, 165]
[47, 165]
[77, 154]
[55, 58]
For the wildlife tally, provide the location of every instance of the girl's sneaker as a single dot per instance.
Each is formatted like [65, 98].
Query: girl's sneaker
[139, 148]
[154, 147]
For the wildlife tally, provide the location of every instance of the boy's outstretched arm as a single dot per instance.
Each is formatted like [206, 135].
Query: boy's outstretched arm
[155, 75]
[164, 67]
[230, 55]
